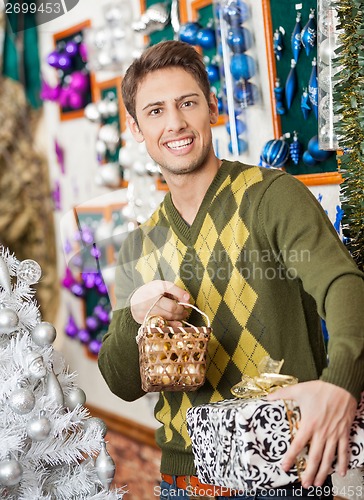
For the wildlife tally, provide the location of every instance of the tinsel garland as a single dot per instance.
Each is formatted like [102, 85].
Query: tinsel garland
[348, 102]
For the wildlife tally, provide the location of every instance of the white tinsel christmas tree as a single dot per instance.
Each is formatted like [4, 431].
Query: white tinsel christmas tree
[50, 446]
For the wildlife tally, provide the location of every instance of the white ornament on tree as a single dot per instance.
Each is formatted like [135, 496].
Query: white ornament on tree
[44, 334]
[11, 471]
[8, 320]
[39, 428]
[22, 400]
[105, 467]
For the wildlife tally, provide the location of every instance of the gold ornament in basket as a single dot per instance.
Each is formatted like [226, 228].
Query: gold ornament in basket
[172, 358]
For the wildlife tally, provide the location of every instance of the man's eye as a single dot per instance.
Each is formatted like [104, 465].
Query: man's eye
[154, 112]
[187, 104]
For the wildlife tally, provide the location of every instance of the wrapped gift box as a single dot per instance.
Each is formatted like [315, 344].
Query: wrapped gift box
[239, 443]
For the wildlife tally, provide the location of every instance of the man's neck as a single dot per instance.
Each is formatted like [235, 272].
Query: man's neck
[189, 190]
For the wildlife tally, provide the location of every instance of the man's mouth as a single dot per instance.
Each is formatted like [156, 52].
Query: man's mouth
[176, 145]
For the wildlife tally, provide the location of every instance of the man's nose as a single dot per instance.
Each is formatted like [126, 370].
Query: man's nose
[175, 120]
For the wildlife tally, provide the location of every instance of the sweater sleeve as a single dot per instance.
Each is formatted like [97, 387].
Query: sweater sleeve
[304, 240]
[119, 356]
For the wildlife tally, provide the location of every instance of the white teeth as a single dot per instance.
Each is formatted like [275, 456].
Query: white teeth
[179, 144]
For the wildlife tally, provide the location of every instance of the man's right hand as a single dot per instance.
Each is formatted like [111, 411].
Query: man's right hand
[167, 306]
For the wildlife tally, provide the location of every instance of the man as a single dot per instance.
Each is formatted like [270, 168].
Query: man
[252, 248]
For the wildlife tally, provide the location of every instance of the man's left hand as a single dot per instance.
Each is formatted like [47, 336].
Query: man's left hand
[327, 413]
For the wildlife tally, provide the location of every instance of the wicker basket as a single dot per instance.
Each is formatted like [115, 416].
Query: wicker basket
[173, 359]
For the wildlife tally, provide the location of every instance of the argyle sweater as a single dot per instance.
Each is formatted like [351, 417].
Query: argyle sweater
[263, 261]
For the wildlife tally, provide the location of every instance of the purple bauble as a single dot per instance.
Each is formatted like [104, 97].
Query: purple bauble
[239, 39]
[242, 66]
[77, 290]
[79, 81]
[84, 336]
[92, 323]
[71, 48]
[104, 316]
[95, 346]
[88, 280]
[64, 97]
[87, 236]
[76, 100]
[64, 61]
[68, 279]
[206, 38]
[53, 59]
[102, 289]
[188, 33]
[82, 49]
[71, 328]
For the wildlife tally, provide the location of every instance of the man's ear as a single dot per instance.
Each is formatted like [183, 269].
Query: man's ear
[134, 128]
[214, 109]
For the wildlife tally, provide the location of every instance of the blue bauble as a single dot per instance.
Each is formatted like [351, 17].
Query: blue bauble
[239, 125]
[315, 151]
[220, 105]
[245, 93]
[206, 38]
[236, 13]
[239, 39]
[188, 33]
[213, 73]
[308, 159]
[275, 153]
[242, 146]
[242, 66]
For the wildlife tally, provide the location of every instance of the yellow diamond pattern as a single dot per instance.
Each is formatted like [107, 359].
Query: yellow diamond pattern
[164, 415]
[209, 298]
[206, 242]
[235, 234]
[216, 351]
[246, 350]
[240, 298]
[179, 421]
[248, 178]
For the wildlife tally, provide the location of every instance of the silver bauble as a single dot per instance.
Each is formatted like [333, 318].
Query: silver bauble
[102, 108]
[44, 334]
[100, 148]
[112, 108]
[103, 230]
[39, 428]
[92, 113]
[8, 320]
[11, 472]
[326, 50]
[35, 367]
[29, 271]
[110, 174]
[109, 134]
[4, 276]
[22, 401]
[154, 18]
[103, 59]
[96, 424]
[105, 467]
[54, 389]
[75, 397]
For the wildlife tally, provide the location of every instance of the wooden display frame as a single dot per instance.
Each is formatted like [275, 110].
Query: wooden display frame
[79, 113]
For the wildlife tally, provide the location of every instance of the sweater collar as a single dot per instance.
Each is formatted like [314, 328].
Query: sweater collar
[187, 233]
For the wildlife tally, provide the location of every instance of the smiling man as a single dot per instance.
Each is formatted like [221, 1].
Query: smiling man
[231, 239]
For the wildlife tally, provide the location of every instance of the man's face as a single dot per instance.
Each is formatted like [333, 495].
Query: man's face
[174, 120]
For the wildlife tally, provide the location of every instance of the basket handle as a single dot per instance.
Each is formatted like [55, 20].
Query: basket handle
[140, 330]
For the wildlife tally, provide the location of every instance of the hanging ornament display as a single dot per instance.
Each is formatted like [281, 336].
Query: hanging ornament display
[53, 388]
[318, 154]
[155, 18]
[74, 398]
[308, 159]
[188, 32]
[296, 38]
[275, 153]
[22, 400]
[279, 98]
[239, 39]
[305, 104]
[278, 43]
[44, 334]
[309, 33]
[11, 471]
[96, 423]
[29, 271]
[242, 66]
[313, 88]
[291, 84]
[205, 38]
[5, 282]
[39, 428]
[8, 320]
[295, 149]
[105, 467]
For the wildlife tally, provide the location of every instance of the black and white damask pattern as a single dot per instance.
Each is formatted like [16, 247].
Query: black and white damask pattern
[240, 444]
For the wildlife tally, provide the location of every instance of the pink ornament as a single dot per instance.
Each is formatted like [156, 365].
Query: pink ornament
[82, 49]
[64, 97]
[79, 81]
[76, 100]
[68, 279]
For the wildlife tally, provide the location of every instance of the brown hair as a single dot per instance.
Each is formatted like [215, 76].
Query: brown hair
[163, 55]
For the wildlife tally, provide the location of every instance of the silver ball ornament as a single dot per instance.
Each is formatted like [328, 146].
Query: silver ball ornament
[102, 108]
[22, 401]
[11, 472]
[74, 398]
[4, 276]
[95, 423]
[8, 320]
[39, 428]
[44, 334]
[110, 174]
[112, 108]
[92, 113]
[109, 134]
[105, 467]
[29, 271]
[326, 50]
[54, 389]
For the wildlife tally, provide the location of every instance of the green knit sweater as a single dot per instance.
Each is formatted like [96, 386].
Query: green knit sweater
[263, 261]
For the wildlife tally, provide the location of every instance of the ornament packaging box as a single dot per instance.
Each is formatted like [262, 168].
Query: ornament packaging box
[240, 443]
